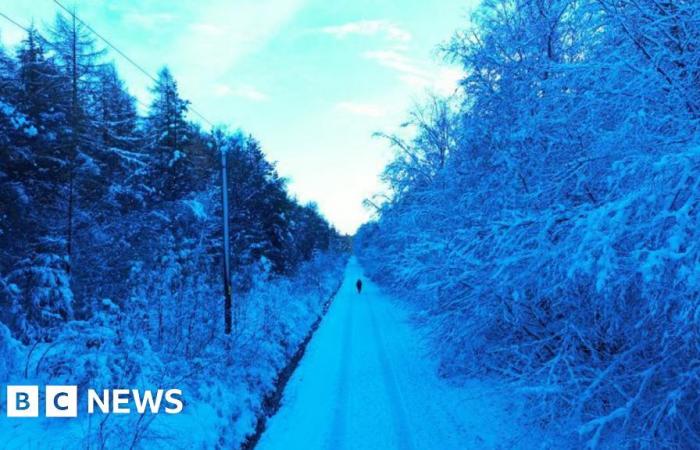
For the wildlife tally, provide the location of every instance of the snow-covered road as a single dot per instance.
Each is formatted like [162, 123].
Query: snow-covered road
[366, 382]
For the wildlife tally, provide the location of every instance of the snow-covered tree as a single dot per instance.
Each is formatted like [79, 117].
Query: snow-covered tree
[557, 246]
[169, 135]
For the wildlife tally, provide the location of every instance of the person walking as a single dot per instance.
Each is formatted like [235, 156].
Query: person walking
[358, 285]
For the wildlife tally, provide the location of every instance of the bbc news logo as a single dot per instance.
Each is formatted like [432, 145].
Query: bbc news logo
[62, 401]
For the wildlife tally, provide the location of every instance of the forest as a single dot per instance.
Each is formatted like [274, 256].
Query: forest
[543, 220]
[111, 249]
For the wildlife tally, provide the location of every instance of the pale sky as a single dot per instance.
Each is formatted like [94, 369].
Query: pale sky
[310, 79]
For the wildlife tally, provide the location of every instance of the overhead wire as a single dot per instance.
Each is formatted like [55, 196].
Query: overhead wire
[126, 57]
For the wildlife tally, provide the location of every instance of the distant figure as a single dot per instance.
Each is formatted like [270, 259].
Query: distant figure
[358, 285]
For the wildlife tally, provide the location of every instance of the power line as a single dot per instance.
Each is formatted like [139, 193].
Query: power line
[53, 46]
[125, 56]
[12, 21]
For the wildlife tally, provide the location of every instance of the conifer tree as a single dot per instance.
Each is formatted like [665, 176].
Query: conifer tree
[169, 136]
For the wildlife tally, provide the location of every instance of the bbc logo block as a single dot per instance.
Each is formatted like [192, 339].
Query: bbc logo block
[22, 401]
[60, 401]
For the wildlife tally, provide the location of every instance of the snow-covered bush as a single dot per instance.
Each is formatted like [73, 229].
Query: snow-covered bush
[38, 298]
[11, 351]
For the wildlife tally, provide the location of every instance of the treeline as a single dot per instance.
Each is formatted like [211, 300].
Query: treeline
[96, 200]
[545, 217]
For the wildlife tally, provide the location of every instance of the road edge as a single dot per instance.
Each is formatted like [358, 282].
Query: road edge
[272, 401]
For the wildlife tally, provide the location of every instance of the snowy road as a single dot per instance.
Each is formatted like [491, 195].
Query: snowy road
[365, 382]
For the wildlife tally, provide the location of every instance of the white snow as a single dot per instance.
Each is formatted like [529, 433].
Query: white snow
[197, 208]
[366, 382]
[177, 155]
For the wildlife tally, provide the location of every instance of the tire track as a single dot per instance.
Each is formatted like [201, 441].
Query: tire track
[404, 354]
[399, 416]
[336, 433]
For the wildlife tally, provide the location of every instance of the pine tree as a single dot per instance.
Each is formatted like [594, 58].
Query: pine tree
[36, 299]
[78, 58]
[169, 135]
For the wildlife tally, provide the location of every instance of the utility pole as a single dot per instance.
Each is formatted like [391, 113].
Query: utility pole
[228, 303]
